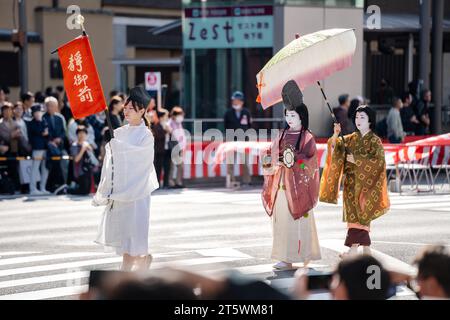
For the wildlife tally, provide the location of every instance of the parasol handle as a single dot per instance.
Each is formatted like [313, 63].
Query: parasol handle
[328, 104]
[332, 114]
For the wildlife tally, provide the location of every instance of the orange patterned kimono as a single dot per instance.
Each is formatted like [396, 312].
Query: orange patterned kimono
[365, 195]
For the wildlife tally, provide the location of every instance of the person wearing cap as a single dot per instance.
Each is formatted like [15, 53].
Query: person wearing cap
[38, 136]
[238, 117]
[127, 180]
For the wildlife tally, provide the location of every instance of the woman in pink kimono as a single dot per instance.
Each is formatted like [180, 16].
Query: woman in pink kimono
[290, 192]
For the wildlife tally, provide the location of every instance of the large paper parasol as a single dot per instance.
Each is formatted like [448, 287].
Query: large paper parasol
[306, 60]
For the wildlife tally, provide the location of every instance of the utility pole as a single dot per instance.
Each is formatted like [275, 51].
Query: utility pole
[438, 17]
[424, 65]
[24, 46]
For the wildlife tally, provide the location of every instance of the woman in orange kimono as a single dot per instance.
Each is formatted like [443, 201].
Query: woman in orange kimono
[290, 192]
[361, 164]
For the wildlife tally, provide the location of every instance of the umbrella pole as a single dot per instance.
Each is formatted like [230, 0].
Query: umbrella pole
[328, 104]
[332, 113]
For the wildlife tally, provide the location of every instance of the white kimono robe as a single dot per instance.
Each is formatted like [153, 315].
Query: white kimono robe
[127, 181]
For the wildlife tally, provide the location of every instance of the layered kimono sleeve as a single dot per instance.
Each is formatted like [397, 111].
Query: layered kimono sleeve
[271, 172]
[332, 172]
[129, 174]
[270, 158]
[371, 179]
[302, 180]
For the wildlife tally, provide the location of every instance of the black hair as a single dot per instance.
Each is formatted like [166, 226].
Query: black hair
[176, 111]
[161, 113]
[406, 95]
[302, 111]
[343, 98]
[370, 113]
[81, 129]
[39, 97]
[138, 106]
[423, 93]
[355, 271]
[151, 289]
[434, 261]
[5, 89]
[48, 91]
[354, 104]
[114, 101]
[54, 95]
[7, 106]
[113, 93]
[26, 96]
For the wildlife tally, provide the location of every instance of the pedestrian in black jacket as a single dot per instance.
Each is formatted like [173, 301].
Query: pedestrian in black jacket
[236, 118]
[38, 136]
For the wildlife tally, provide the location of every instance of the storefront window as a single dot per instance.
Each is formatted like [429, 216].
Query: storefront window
[225, 44]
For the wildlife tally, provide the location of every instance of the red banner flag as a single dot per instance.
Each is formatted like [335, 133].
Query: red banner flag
[81, 81]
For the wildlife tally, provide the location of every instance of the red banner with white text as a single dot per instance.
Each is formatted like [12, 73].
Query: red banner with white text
[81, 80]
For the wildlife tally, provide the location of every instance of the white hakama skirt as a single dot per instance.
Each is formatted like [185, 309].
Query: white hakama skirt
[124, 228]
[293, 240]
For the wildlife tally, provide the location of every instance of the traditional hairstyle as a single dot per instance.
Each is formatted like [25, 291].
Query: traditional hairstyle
[370, 113]
[302, 111]
[139, 106]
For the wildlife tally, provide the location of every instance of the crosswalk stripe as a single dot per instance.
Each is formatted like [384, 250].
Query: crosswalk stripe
[66, 265]
[390, 263]
[427, 206]
[405, 243]
[112, 260]
[157, 225]
[76, 275]
[47, 293]
[4, 262]
[16, 253]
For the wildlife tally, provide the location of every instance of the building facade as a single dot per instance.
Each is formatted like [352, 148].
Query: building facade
[121, 34]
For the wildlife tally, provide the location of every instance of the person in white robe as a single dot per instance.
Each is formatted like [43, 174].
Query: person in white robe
[128, 178]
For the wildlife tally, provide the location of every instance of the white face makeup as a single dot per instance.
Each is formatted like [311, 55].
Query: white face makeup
[362, 122]
[293, 120]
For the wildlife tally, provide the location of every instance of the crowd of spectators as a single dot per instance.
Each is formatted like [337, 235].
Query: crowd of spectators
[67, 153]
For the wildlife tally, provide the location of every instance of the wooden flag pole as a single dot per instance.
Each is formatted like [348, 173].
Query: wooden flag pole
[80, 20]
